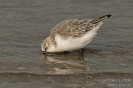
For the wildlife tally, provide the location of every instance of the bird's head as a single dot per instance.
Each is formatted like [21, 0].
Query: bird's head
[45, 45]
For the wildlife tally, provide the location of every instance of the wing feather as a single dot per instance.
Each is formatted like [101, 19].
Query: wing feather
[72, 28]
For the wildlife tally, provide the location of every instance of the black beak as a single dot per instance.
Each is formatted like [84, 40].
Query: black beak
[44, 52]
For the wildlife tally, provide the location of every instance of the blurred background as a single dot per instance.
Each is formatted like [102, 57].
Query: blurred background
[24, 24]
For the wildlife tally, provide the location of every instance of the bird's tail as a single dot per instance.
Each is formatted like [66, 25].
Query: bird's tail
[100, 19]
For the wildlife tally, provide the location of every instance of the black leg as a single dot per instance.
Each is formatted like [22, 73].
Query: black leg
[82, 54]
[66, 52]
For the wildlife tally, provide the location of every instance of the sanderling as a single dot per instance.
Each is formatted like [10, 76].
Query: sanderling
[72, 34]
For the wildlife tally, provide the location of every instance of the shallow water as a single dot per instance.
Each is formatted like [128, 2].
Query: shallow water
[107, 61]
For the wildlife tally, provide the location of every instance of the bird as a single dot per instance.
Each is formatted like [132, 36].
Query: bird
[72, 34]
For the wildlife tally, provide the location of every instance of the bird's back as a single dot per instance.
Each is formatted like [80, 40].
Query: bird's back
[76, 27]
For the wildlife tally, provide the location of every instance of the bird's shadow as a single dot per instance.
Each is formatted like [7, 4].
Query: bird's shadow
[79, 53]
[67, 62]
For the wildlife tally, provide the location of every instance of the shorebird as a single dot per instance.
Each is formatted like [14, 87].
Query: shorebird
[72, 34]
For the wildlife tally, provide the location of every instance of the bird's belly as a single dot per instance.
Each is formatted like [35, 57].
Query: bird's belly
[68, 44]
[73, 43]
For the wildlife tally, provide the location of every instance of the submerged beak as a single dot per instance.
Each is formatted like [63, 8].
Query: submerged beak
[44, 52]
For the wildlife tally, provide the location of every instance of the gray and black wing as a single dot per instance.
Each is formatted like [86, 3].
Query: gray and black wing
[76, 27]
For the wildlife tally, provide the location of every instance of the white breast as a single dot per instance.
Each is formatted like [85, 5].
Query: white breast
[74, 43]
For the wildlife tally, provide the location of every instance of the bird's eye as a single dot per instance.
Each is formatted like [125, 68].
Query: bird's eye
[46, 48]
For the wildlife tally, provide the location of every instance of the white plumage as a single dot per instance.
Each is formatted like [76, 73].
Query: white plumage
[72, 34]
[73, 43]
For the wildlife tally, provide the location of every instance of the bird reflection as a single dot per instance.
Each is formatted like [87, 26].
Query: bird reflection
[68, 63]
